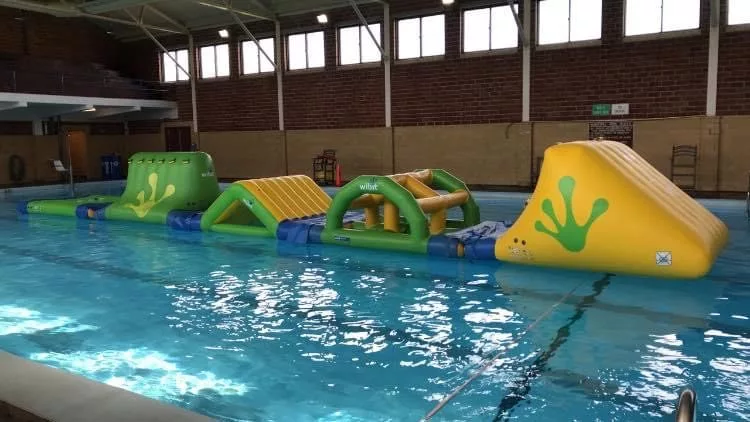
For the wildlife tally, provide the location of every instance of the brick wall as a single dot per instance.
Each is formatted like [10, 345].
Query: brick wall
[659, 78]
[40, 35]
[734, 71]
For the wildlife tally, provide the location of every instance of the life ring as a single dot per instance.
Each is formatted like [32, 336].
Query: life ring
[17, 168]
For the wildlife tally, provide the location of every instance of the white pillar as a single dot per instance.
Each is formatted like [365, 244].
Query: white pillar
[280, 66]
[713, 58]
[526, 81]
[193, 76]
[387, 61]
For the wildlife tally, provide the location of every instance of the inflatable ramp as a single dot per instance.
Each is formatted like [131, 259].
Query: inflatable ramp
[599, 206]
[158, 184]
[256, 207]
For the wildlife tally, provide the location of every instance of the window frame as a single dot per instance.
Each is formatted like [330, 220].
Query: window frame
[734, 26]
[569, 43]
[490, 51]
[200, 48]
[163, 60]
[358, 24]
[241, 57]
[678, 33]
[307, 67]
[420, 16]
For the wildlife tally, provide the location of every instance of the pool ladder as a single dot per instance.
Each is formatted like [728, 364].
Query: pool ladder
[747, 198]
[686, 406]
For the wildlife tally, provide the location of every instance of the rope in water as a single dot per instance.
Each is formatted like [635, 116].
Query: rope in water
[489, 362]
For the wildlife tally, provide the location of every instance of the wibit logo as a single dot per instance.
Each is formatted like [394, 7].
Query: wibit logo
[143, 207]
[570, 235]
[369, 186]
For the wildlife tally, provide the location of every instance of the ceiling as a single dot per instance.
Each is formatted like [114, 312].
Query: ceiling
[163, 17]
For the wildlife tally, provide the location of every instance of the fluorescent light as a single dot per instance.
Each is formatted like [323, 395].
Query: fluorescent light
[89, 109]
[447, 2]
[223, 33]
[322, 18]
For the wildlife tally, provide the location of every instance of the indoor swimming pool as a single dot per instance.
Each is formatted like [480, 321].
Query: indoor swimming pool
[245, 329]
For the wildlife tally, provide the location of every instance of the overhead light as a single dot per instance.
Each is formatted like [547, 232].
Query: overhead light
[447, 2]
[89, 109]
[223, 33]
[322, 18]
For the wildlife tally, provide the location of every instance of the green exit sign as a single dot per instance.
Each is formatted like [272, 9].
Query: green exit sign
[601, 109]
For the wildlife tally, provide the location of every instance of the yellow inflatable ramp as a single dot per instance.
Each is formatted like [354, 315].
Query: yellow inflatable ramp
[599, 206]
[289, 197]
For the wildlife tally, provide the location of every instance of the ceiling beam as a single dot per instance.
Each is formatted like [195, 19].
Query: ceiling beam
[242, 12]
[263, 6]
[73, 12]
[159, 13]
[105, 6]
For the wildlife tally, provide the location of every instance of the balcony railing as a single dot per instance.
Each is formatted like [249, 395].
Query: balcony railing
[85, 85]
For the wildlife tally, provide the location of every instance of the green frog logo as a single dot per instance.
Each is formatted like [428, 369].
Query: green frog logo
[571, 235]
[143, 207]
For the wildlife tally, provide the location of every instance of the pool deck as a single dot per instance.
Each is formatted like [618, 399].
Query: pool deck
[31, 391]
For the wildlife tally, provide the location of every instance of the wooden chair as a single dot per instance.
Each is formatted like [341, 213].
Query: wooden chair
[684, 165]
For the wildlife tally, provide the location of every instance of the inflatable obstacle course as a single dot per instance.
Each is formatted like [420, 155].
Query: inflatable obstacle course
[597, 206]
[256, 207]
[600, 206]
[157, 184]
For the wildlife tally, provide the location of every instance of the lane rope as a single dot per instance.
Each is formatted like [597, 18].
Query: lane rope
[489, 362]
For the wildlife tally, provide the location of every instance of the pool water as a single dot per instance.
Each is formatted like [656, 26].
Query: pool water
[244, 329]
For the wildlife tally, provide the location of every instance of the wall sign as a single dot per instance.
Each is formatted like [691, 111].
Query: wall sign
[601, 109]
[622, 109]
[612, 130]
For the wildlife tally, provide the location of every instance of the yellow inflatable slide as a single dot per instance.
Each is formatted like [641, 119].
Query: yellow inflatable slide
[600, 206]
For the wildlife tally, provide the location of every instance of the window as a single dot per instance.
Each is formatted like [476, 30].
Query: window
[421, 37]
[563, 21]
[739, 12]
[253, 60]
[489, 29]
[214, 61]
[655, 16]
[306, 51]
[356, 44]
[169, 70]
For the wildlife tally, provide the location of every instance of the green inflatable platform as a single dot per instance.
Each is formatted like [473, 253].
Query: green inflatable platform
[158, 183]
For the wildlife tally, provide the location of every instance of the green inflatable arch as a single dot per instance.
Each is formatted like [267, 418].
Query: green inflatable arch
[414, 241]
[443, 180]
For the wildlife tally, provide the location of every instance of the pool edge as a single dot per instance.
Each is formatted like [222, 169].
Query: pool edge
[52, 394]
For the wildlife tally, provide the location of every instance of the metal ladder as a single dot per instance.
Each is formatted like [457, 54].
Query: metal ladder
[747, 198]
[686, 406]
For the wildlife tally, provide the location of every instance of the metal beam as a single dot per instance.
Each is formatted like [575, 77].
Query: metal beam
[713, 58]
[226, 8]
[74, 12]
[249, 34]
[153, 38]
[105, 6]
[364, 22]
[519, 25]
[279, 76]
[263, 7]
[387, 62]
[526, 66]
[193, 94]
[167, 18]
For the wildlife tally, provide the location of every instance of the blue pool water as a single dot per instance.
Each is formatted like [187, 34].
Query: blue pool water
[241, 329]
